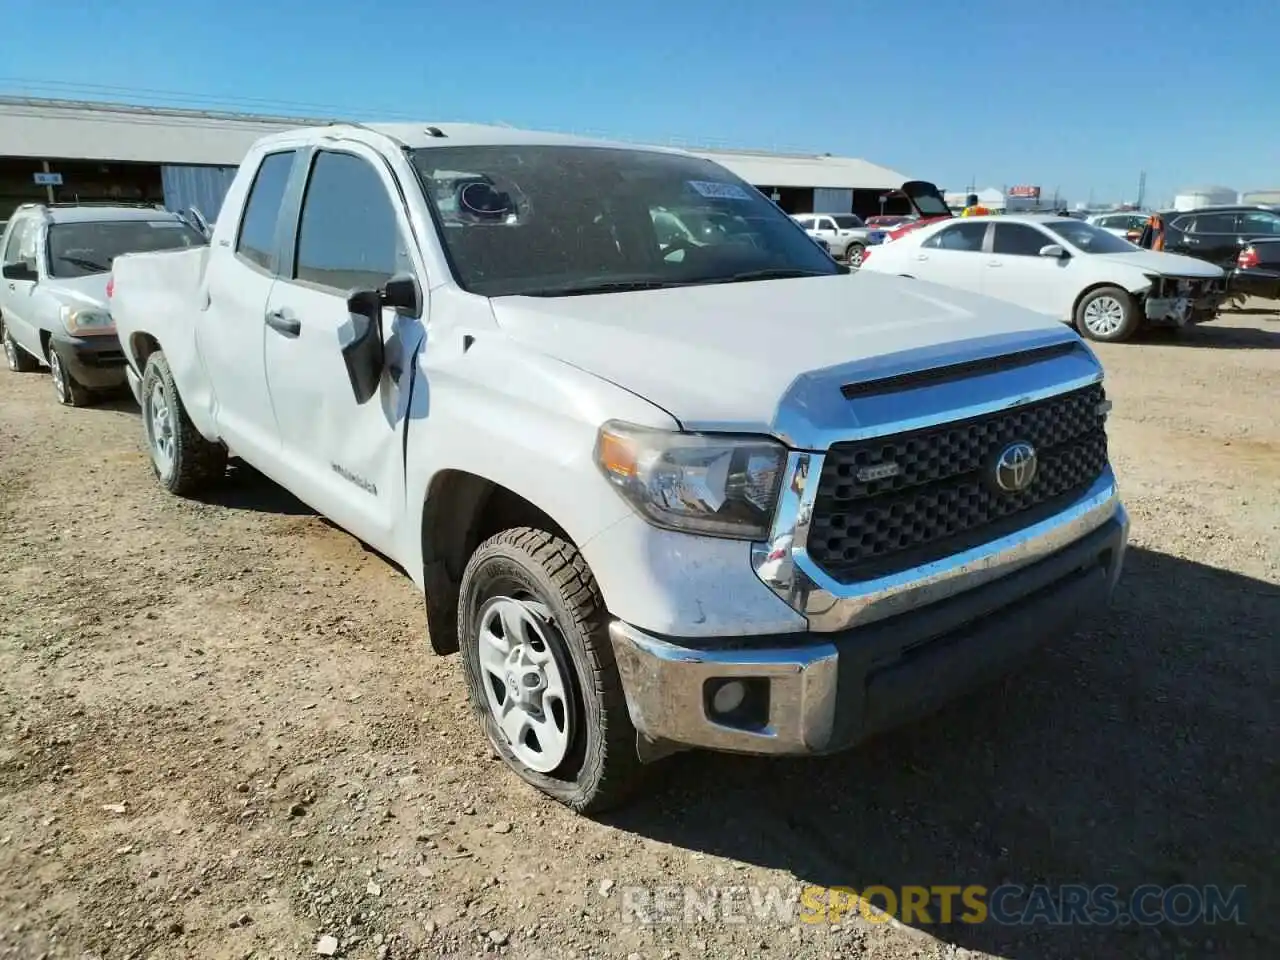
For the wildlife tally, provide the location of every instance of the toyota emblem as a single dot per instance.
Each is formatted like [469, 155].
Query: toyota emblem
[1016, 467]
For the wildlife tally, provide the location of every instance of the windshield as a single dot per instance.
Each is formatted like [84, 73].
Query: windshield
[847, 221]
[1089, 238]
[560, 220]
[82, 249]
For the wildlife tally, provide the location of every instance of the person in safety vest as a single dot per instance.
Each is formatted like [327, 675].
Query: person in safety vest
[972, 208]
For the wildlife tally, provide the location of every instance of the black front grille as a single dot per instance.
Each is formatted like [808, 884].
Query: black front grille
[943, 498]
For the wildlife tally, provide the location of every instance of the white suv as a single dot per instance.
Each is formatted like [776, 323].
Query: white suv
[53, 298]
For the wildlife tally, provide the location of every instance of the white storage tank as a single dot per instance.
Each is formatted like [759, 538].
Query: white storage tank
[1192, 198]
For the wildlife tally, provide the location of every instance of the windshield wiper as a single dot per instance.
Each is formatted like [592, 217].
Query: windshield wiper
[773, 273]
[84, 264]
[606, 286]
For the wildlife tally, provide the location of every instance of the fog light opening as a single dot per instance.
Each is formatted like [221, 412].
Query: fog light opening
[738, 702]
[728, 696]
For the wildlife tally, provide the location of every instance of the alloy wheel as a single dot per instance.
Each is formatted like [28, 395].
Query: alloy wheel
[524, 682]
[160, 432]
[1104, 316]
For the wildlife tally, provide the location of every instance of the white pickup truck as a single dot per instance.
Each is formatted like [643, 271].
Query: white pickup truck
[660, 495]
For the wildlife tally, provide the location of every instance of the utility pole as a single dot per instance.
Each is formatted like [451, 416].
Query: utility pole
[1142, 187]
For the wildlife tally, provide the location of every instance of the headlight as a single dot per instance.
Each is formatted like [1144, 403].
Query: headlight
[725, 486]
[82, 320]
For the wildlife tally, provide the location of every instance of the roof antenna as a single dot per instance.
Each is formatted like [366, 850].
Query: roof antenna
[435, 132]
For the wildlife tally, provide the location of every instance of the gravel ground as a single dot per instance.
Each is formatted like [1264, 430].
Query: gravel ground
[222, 736]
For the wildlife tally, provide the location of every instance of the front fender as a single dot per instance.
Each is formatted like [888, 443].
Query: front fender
[521, 420]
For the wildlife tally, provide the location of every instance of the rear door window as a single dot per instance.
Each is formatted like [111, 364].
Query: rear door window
[1213, 223]
[257, 240]
[963, 237]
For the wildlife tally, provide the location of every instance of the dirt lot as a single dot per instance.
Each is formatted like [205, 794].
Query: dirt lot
[223, 737]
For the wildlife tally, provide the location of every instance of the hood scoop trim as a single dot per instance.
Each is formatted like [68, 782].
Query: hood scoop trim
[899, 382]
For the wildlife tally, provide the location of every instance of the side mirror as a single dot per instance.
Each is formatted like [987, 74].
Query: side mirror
[1055, 250]
[404, 294]
[20, 271]
[363, 350]
[361, 342]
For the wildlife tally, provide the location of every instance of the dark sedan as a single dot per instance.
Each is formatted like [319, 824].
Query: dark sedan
[1257, 270]
[1216, 234]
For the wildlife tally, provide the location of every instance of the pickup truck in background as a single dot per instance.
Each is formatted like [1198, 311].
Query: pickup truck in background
[658, 494]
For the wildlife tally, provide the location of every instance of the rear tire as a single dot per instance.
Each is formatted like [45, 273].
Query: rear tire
[69, 391]
[530, 610]
[16, 359]
[183, 460]
[1108, 315]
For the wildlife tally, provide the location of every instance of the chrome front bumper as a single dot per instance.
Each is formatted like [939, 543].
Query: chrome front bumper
[882, 652]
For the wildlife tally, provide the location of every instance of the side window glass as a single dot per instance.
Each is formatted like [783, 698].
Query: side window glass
[964, 237]
[1018, 239]
[1215, 223]
[17, 236]
[1259, 224]
[348, 235]
[827, 224]
[257, 240]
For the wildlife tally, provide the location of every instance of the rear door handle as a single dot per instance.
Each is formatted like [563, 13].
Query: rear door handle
[993, 263]
[281, 322]
[922, 256]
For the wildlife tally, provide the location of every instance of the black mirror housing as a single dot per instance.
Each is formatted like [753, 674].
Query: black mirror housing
[403, 293]
[19, 271]
[363, 353]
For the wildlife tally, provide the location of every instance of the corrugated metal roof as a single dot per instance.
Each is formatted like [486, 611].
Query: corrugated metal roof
[41, 128]
[88, 131]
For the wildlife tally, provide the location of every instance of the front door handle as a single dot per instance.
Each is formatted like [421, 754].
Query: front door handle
[281, 322]
[993, 263]
[922, 256]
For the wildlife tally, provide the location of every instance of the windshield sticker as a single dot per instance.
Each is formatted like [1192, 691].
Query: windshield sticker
[719, 191]
[165, 224]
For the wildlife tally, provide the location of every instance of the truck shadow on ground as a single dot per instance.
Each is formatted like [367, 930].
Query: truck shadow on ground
[247, 489]
[1209, 337]
[1144, 751]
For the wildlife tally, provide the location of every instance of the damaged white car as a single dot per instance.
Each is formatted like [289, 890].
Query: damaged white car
[1105, 286]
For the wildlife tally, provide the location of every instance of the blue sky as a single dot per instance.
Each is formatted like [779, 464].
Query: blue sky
[1055, 94]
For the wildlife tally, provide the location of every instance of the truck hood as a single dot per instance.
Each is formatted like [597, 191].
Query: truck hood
[1169, 264]
[90, 291]
[722, 356]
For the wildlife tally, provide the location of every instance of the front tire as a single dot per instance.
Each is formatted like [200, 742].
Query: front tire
[69, 391]
[540, 671]
[15, 358]
[183, 460]
[1108, 315]
[854, 254]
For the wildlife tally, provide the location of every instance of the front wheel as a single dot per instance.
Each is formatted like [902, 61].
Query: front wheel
[16, 359]
[1108, 314]
[540, 671]
[183, 460]
[69, 391]
[854, 254]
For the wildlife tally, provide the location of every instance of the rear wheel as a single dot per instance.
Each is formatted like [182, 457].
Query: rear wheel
[66, 388]
[1108, 314]
[540, 670]
[16, 359]
[183, 460]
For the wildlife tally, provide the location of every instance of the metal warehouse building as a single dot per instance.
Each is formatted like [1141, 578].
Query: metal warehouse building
[70, 151]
